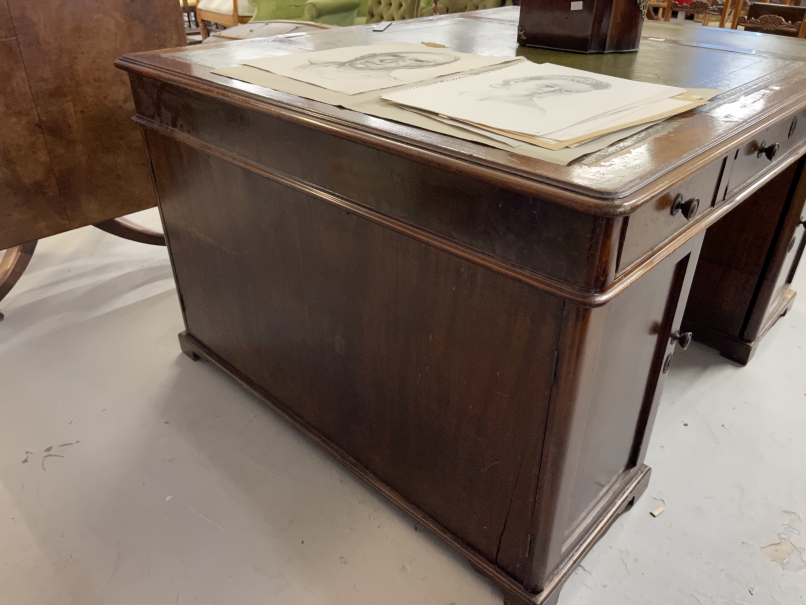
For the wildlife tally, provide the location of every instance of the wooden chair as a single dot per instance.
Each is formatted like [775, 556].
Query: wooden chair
[778, 19]
[224, 12]
[664, 8]
[189, 14]
[742, 6]
[707, 9]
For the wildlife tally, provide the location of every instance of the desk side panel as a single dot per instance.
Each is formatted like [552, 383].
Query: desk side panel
[610, 376]
[430, 372]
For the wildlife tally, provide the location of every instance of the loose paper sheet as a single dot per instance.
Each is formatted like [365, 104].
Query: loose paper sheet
[652, 113]
[531, 99]
[372, 104]
[359, 69]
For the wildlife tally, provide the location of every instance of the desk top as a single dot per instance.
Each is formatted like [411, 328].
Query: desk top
[762, 76]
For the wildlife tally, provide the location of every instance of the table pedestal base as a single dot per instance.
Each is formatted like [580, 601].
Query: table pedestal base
[736, 349]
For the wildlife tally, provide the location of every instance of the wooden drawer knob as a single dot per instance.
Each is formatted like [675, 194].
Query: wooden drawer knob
[688, 207]
[769, 150]
[682, 338]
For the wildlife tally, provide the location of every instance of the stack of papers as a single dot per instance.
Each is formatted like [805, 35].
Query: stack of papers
[543, 111]
[545, 105]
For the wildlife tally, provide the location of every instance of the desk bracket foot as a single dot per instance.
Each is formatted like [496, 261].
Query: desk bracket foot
[190, 349]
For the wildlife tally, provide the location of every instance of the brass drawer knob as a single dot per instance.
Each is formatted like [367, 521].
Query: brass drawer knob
[769, 150]
[688, 207]
[682, 338]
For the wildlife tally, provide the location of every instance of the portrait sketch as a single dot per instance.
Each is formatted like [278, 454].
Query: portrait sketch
[530, 99]
[377, 65]
[360, 69]
[527, 91]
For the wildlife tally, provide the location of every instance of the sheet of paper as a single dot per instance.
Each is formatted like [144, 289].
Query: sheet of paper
[498, 137]
[529, 98]
[372, 104]
[358, 69]
[627, 121]
[621, 117]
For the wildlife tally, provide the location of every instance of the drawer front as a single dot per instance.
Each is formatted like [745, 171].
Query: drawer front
[655, 222]
[758, 155]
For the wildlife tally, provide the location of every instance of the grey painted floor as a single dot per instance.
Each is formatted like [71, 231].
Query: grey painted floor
[168, 484]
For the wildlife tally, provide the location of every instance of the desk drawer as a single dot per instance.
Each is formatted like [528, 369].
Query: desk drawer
[757, 155]
[654, 222]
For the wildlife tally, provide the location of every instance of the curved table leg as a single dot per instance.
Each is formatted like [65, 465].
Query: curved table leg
[12, 265]
[123, 227]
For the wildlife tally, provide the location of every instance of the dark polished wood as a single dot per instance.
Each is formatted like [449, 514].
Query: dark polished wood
[594, 26]
[128, 229]
[69, 153]
[480, 336]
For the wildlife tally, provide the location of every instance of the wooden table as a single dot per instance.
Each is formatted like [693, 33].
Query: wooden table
[480, 336]
[69, 153]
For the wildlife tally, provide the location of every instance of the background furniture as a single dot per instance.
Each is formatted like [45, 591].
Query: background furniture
[482, 338]
[228, 13]
[392, 10]
[706, 8]
[189, 12]
[264, 29]
[664, 10]
[69, 153]
[777, 19]
[463, 6]
[341, 13]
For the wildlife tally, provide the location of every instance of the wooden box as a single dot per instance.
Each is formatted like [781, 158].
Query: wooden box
[585, 26]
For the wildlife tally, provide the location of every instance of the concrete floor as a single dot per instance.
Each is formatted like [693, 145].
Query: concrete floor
[168, 484]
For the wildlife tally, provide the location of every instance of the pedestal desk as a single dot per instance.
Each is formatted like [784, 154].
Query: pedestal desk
[480, 336]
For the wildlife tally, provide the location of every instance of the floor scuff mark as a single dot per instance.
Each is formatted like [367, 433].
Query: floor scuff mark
[785, 554]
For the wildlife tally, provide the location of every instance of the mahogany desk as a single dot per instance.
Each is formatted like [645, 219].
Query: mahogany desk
[480, 336]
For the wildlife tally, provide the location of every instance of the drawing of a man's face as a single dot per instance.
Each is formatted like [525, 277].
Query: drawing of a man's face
[403, 60]
[538, 87]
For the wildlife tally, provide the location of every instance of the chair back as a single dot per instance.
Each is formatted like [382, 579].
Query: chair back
[463, 6]
[273, 10]
[392, 10]
[775, 19]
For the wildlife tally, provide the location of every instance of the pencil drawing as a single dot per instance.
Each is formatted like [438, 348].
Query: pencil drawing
[377, 65]
[527, 90]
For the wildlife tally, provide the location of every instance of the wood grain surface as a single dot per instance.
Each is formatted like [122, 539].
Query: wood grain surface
[76, 156]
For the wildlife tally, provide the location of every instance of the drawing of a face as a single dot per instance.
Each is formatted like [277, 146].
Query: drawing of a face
[403, 60]
[524, 91]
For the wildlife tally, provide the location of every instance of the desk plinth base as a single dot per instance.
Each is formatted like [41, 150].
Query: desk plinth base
[619, 499]
[731, 347]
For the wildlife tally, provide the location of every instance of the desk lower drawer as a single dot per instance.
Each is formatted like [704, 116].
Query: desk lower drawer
[655, 222]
